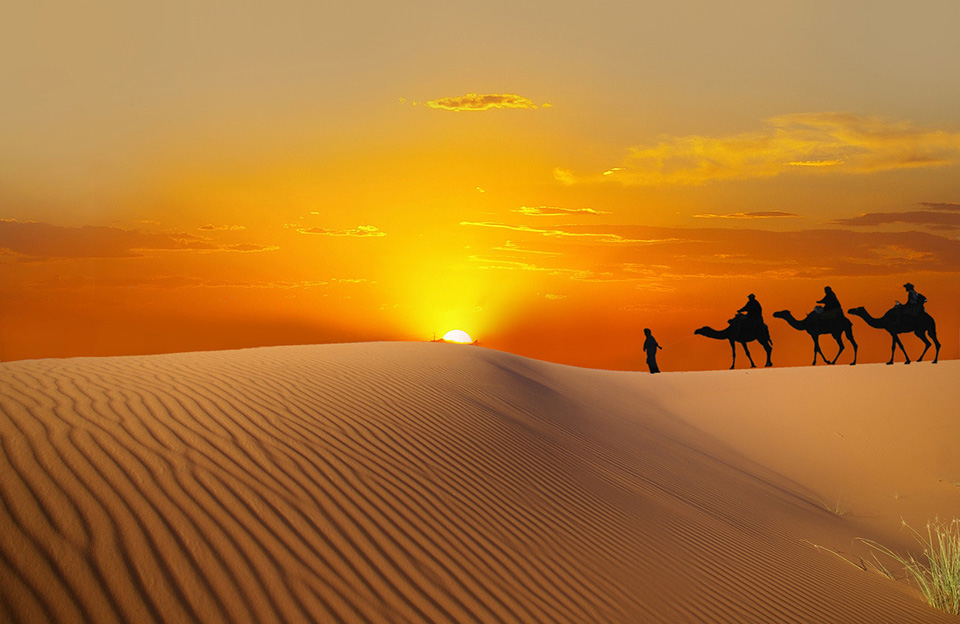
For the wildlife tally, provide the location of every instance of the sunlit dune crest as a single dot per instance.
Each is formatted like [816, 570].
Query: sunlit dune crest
[419, 482]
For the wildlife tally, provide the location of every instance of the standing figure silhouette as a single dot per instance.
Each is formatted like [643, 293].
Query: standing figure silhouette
[650, 347]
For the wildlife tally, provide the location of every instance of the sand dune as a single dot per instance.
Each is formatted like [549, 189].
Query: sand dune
[396, 482]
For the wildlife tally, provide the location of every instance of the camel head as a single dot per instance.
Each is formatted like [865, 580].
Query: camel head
[701, 331]
[858, 311]
[782, 314]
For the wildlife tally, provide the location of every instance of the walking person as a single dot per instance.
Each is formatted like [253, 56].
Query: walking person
[650, 347]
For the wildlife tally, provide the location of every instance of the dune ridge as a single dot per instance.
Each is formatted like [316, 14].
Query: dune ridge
[411, 482]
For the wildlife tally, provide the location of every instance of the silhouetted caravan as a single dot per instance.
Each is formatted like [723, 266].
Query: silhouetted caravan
[816, 325]
[742, 331]
[895, 321]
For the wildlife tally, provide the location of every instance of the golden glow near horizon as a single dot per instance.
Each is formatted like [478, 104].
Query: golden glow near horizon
[178, 179]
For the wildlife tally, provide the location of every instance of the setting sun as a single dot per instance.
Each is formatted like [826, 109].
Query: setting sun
[458, 335]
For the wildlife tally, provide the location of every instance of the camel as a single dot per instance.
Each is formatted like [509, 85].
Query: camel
[816, 326]
[737, 332]
[896, 322]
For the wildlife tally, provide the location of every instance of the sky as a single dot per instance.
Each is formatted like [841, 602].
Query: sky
[550, 177]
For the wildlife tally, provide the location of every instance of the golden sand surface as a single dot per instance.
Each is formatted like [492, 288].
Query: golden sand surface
[420, 482]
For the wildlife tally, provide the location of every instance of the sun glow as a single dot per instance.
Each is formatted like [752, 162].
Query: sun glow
[458, 336]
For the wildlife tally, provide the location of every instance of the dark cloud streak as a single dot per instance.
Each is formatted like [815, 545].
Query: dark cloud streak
[941, 206]
[941, 220]
[39, 241]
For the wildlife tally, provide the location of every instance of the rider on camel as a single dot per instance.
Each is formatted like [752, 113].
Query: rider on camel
[831, 305]
[915, 301]
[750, 314]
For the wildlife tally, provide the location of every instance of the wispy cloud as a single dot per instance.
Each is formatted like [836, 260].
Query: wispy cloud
[35, 240]
[950, 220]
[815, 163]
[359, 231]
[593, 236]
[172, 282]
[941, 206]
[481, 102]
[553, 211]
[512, 247]
[221, 228]
[729, 252]
[249, 248]
[816, 142]
[577, 275]
[747, 215]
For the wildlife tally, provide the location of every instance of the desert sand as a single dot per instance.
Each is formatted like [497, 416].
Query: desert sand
[409, 482]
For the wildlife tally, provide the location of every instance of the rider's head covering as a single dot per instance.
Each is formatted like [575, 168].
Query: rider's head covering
[908, 286]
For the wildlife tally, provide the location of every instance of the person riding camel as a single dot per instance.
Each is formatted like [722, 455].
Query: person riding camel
[751, 314]
[915, 301]
[831, 307]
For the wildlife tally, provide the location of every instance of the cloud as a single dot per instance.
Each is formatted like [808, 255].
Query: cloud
[579, 275]
[947, 220]
[32, 240]
[359, 231]
[726, 252]
[352, 280]
[249, 247]
[815, 163]
[35, 240]
[552, 211]
[221, 228]
[747, 215]
[174, 282]
[565, 176]
[594, 236]
[478, 102]
[816, 142]
[941, 206]
[512, 247]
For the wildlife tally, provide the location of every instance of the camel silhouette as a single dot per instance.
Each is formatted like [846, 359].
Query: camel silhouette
[896, 322]
[816, 326]
[737, 331]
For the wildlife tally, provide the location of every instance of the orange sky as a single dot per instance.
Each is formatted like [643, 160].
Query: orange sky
[551, 177]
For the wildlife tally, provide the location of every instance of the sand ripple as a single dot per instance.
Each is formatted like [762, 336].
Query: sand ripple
[394, 483]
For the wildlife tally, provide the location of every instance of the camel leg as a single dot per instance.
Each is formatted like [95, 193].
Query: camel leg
[933, 336]
[893, 349]
[733, 350]
[840, 346]
[922, 335]
[768, 347]
[817, 350]
[747, 351]
[849, 333]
